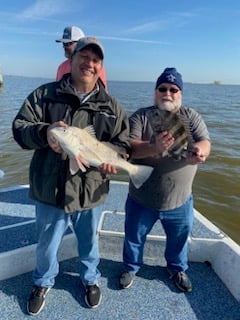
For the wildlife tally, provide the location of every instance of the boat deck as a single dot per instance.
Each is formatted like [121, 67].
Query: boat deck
[152, 296]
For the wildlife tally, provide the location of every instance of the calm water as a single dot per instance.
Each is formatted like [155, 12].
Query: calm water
[216, 186]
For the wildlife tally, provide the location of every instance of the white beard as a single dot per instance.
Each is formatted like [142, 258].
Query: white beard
[169, 104]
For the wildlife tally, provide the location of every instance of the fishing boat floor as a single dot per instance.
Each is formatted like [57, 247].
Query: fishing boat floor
[153, 295]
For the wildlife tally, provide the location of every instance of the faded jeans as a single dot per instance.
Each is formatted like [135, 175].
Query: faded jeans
[177, 224]
[52, 224]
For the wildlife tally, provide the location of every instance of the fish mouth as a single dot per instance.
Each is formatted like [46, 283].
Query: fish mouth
[53, 139]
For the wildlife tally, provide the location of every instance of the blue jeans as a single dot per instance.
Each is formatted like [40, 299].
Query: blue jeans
[52, 224]
[177, 224]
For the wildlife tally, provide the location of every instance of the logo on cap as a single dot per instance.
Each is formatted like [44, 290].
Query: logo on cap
[171, 77]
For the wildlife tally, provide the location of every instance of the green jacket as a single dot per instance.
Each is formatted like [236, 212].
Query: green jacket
[50, 180]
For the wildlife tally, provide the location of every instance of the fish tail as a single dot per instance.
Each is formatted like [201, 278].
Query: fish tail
[140, 175]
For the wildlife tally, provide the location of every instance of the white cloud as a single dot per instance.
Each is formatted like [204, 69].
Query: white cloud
[46, 8]
[134, 40]
[164, 22]
[148, 27]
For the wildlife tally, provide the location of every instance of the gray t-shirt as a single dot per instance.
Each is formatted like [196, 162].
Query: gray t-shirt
[171, 181]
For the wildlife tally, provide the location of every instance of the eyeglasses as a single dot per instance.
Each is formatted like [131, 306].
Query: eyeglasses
[164, 89]
[68, 44]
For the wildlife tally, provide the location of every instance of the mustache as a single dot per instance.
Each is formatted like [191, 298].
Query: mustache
[167, 99]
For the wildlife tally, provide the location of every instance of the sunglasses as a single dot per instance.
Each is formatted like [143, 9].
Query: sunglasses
[68, 44]
[164, 89]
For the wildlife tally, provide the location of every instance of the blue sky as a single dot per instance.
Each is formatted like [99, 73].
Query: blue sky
[200, 38]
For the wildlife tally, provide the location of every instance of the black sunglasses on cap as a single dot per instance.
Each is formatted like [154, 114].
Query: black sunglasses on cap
[68, 44]
[164, 89]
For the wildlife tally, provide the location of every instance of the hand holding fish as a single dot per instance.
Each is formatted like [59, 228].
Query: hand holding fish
[53, 143]
[108, 168]
[163, 141]
[195, 156]
[199, 152]
[170, 128]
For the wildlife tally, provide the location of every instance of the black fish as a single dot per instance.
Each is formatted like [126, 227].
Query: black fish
[163, 120]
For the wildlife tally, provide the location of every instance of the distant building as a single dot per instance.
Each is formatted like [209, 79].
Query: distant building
[1, 78]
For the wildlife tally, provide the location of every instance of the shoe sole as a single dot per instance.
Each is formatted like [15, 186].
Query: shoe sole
[177, 285]
[127, 286]
[42, 306]
[96, 305]
[183, 289]
[36, 313]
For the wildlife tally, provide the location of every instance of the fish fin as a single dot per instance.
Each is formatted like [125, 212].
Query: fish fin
[78, 163]
[140, 175]
[74, 166]
[82, 163]
[90, 129]
[165, 154]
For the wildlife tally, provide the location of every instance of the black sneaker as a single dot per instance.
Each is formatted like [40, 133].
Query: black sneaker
[126, 280]
[93, 296]
[36, 300]
[181, 280]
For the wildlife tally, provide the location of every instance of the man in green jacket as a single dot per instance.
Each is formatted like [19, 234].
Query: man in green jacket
[79, 100]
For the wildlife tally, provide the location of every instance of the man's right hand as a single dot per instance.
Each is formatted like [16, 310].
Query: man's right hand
[163, 141]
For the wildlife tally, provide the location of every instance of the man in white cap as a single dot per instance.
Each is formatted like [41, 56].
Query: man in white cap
[70, 37]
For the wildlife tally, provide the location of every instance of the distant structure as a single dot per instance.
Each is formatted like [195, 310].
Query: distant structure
[1, 79]
[217, 82]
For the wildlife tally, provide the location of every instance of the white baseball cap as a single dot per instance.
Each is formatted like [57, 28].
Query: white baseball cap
[71, 34]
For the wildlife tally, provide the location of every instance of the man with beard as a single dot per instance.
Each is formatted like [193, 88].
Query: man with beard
[167, 194]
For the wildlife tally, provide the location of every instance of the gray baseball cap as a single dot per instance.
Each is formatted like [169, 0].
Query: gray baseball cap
[89, 41]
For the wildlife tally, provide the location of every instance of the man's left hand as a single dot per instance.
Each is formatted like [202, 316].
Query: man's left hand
[195, 156]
